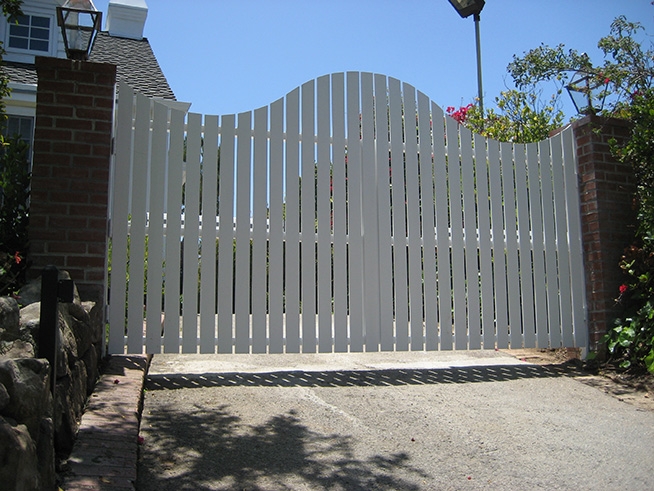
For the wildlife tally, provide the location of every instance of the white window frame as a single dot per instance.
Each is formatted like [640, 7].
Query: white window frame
[26, 55]
[29, 38]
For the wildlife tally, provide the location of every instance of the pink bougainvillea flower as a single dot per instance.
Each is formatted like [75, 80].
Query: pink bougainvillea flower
[459, 115]
[17, 257]
[623, 289]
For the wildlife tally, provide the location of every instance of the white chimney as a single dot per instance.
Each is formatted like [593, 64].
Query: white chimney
[126, 18]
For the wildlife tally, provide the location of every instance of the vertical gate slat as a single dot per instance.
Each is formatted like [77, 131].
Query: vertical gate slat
[456, 230]
[173, 232]
[156, 229]
[428, 222]
[552, 336]
[292, 259]
[323, 204]
[226, 235]
[576, 250]
[370, 212]
[443, 265]
[386, 323]
[339, 199]
[398, 216]
[243, 217]
[525, 249]
[470, 240]
[138, 225]
[191, 235]
[538, 255]
[509, 185]
[120, 220]
[413, 220]
[276, 227]
[208, 239]
[485, 247]
[260, 231]
[498, 245]
[308, 219]
[562, 245]
[355, 255]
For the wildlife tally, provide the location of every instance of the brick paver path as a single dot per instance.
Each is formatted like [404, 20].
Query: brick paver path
[105, 453]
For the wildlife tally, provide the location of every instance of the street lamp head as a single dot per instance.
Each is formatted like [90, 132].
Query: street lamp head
[79, 22]
[466, 8]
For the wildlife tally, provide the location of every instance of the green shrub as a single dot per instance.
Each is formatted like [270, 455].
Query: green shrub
[14, 214]
[631, 342]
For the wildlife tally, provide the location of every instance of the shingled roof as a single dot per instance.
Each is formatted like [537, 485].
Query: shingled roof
[135, 61]
[136, 64]
[21, 73]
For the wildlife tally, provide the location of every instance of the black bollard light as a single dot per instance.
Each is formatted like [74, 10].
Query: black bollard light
[52, 290]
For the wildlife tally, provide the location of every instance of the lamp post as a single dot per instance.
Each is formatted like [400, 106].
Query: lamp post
[79, 22]
[466, 8]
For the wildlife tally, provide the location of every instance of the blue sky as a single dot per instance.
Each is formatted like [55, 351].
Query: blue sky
[229, 56]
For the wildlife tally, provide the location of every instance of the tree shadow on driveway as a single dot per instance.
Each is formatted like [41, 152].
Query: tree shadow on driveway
[213, 449]
[192, 443]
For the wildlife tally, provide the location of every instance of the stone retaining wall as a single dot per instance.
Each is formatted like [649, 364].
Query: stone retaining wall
[38, 430]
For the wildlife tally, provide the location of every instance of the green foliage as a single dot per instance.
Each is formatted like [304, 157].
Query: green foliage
[520, 118]
[14, 186]
[639, 153]
[627, 68]
[631, 342]
[14, 196]
[520, 115]
[11, 8]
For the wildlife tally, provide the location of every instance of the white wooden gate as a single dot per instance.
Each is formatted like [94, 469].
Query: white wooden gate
[349, 215]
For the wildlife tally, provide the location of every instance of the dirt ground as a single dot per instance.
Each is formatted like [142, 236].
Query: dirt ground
[637, 390]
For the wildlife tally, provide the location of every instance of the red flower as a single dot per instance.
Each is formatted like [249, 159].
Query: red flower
[623, 289]
[460, 115]
[17, 257]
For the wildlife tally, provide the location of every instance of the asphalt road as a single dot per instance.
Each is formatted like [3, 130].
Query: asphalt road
[391, 421]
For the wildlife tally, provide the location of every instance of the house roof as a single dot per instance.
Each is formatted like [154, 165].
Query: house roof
[135, 61]
[21, 73]
[136, 64]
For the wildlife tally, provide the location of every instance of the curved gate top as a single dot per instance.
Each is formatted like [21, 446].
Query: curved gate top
[349, 215]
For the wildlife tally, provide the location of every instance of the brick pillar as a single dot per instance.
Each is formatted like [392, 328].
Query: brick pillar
[607, 217]
[70, 173]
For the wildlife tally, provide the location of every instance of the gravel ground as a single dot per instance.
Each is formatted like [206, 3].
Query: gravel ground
[489, 423]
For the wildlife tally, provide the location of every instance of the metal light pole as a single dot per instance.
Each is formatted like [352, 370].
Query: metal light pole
[479, 84]
[466, 8]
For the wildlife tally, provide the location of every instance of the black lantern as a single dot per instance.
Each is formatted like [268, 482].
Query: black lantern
[586, 87]
[466, 8]
[79, 22]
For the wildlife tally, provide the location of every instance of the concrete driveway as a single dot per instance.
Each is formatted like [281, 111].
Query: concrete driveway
[387, 421]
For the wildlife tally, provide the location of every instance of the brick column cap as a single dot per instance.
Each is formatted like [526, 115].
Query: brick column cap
[48, 62]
